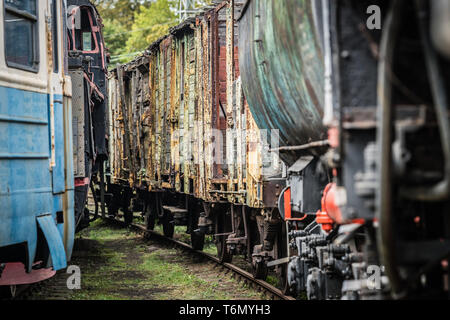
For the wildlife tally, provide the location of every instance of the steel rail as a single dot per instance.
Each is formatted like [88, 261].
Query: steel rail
[275, 292]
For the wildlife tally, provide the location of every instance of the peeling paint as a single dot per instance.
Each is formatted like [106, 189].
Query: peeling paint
[181, 120]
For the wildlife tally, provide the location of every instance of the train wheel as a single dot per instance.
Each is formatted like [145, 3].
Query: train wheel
[126, 205]
[411, 273]
[112, 210]
[282, 250]
[259, 264]
[168, 225]
[197, 238]
[128, 216]
[223, 225]
[91, 186]
[150, 217]
[83, 221]
[223, 252]
[260, 270]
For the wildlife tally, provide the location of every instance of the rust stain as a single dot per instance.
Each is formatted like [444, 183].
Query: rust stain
[229, 108]
[166, 107]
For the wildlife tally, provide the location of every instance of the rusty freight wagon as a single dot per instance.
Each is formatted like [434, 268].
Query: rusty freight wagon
[183, 141]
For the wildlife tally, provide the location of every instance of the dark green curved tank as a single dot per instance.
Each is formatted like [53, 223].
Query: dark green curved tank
[282, 69]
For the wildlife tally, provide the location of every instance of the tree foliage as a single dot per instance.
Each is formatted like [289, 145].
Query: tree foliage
[130, 26]
[115, 36]
[120, 11]
[149, 24]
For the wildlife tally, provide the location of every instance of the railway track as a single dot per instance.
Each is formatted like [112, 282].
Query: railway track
[272, 291]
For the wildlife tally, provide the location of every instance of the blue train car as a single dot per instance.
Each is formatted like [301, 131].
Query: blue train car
[36, 148]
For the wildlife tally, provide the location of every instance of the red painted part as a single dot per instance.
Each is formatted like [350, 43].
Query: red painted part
[329, 204]
[287, 204]
[323, 219]
[333, 137]
[94, 30]
[79, 182]
[359, 221]
[330, 213]
[15, 274]
[94, 86]
[288, 208]
[74, 12]
[302, 218]
[103, 55]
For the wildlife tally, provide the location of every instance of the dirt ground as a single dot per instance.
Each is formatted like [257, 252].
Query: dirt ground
[116, 263]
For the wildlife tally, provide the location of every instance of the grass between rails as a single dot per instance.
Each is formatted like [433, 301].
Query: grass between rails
[181, 235]
[118, 264]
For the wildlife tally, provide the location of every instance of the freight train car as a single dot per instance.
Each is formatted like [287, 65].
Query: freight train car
[183, 139]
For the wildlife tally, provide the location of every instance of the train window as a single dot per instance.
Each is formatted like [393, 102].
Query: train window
[20, 18]
[83, 33]
[87, 41]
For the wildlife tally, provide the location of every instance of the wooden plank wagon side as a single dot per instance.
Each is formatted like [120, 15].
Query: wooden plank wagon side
[185, 142]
